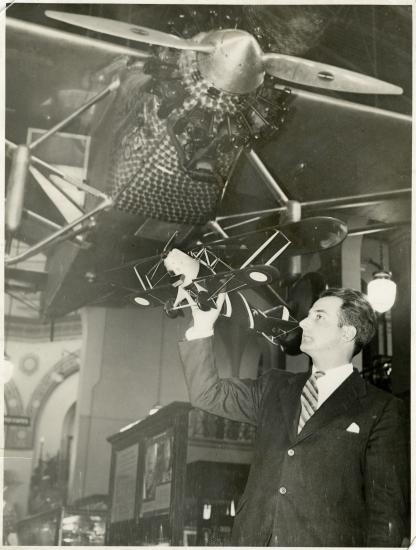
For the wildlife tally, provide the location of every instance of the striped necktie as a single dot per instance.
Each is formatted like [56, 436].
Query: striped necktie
[309, 399]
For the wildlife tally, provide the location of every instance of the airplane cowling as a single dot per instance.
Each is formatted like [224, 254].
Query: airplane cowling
[178, 140]
[150, 171]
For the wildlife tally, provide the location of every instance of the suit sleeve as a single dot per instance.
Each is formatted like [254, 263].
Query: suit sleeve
[387, 478]
[233, 398]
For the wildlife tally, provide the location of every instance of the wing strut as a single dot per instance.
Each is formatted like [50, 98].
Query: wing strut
[22, 161]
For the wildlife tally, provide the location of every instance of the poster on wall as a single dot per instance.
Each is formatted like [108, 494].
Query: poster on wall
[157, 475]
[125, 478]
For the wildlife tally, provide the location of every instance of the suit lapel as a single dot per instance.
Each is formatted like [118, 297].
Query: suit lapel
[341, 401]
[290, 402]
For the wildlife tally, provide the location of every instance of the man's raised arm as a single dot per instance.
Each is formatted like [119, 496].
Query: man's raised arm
[231, 398]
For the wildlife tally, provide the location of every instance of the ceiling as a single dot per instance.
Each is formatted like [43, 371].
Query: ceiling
[332, 145]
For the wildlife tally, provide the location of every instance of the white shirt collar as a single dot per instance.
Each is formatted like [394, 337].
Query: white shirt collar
[332, 379]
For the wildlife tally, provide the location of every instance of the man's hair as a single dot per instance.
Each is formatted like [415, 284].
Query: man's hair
[356, 311]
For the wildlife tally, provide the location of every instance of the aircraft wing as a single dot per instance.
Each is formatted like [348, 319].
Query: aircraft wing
[331, 149]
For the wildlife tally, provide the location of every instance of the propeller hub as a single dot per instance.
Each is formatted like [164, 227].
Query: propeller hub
[235, 64]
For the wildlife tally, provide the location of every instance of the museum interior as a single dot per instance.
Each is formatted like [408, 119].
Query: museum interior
[199, 128]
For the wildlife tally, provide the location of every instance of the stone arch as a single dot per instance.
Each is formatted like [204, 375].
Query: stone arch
[14, 406]
[56, 375]
[67, 437]
[13, 399]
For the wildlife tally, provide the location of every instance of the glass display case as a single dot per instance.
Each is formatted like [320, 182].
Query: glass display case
[176, 477]
[212, 492]
[63, 527]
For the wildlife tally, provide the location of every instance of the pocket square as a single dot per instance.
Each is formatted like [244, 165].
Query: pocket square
[353, 428]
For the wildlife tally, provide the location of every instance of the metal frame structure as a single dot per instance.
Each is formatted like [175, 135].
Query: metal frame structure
[23, 162]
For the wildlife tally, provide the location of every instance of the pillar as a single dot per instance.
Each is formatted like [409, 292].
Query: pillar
[129, 362]
[351, 273]
[400, 265]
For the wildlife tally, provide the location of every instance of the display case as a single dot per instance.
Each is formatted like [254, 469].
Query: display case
[176, 477]
[65, 526]
[212, 492]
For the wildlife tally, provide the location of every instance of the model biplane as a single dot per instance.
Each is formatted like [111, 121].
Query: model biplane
[177, 279]
[204, 275]
[169, 127]
[198, 276]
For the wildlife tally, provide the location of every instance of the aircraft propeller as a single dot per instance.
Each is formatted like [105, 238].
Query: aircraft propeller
[233, 61]
[127, 31]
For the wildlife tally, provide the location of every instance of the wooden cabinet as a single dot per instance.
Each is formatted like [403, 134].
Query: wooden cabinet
[176, 477]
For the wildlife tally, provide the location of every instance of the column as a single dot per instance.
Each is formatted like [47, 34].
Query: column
[400, 265]
[351, 273]
[129, 361]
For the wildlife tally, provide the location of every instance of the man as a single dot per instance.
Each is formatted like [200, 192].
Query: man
[330, 459]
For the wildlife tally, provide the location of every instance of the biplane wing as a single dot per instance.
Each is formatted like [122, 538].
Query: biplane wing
[229, 264]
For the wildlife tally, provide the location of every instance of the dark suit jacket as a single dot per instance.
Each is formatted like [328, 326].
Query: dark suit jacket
[326, 486]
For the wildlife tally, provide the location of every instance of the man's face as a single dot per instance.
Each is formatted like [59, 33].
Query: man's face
[321, 330]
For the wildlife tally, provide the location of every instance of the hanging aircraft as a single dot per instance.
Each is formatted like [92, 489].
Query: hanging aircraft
[169, 126]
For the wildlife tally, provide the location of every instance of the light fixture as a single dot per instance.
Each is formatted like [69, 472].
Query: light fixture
[381, 291]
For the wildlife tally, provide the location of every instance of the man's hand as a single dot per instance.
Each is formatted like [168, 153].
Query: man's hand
[204, 321]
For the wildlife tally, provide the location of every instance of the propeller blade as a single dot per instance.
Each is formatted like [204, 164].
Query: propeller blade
[321, 75]
[127, 31]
